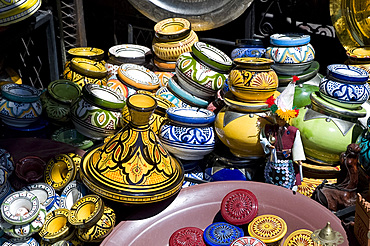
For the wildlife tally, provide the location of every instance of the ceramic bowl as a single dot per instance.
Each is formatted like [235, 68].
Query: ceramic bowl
[44, 192]
[96, 114]
[101, 229]
[164, 77]
[20, 93]
[167, 94]
[130, 89]
[28, 241]
[118, 87]
[86, 211]
[6, 161]
[291, 54]
[345, 92]
[347, 73]
[291, 68]
[16, 11]
[30, 169]
[248, 48]
[129, 53]
[212, 57]
[59, 171]
[56, 226]
[138, 76]
[172, 28]
[74, 191]
[289, 39]
[162, 65]
[91, 53]
[190, 116]
[185, 96]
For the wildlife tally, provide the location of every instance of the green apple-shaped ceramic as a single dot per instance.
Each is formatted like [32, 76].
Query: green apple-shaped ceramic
[302, 95]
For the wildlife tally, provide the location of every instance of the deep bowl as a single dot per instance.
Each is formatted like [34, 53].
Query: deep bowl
[294, 54]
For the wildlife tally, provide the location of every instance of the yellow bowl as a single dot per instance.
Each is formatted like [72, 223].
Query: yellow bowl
[252, 94]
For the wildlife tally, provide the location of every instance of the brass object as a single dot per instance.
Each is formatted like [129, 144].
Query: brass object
[327, 236]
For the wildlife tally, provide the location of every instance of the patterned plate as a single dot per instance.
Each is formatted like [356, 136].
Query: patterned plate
[221, 234]
[300, 237]
[190, 236]
[268, 228]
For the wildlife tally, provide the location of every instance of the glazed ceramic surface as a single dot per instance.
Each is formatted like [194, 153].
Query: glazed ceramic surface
[165, 93]
[72, 137]
[289, 39]
[185, 96]
[140, 170]
[74, 191]
[246, 107]
[363, 141]
[268, 228]
[299, 237]
[296, 54]
[27, 241]
[138, 76]
[129, 53]
[317, 130]
[20, 93]
[118, 87]
[212, 57]
[221, 233]
[291, 68]
[98, 76]
[59, 171]
[190, 116]
[253, 80]
[347, 73]
[173, 37]
[248, 48]
[302, 95]
[44, 192]
[6, 161]
[86, 211]
[56, 226]
[162, 65]
[91, 53]
[18, 10]
[30, 168]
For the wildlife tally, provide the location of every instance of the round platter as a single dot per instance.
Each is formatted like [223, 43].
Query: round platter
[188, 210]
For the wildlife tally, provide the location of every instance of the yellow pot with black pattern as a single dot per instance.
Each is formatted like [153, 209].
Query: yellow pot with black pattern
[253, 79]
[59, 171]
[56, 226]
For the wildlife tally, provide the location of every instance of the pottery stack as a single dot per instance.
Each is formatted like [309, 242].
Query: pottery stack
[331, 123]
[248, 48]
[238, 124]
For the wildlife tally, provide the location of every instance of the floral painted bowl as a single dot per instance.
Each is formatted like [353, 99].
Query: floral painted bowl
[248, 48]
[289, 39]
[190, 116]
[96, 114]
[212, 57]
[138, 76]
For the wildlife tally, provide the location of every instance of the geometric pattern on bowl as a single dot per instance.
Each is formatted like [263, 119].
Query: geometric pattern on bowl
[166, 94]
[341, 103]
[347, 73]
[188, 143]
[254, 79]
[348, 92]
[199, 72]
[296, 54]
[19, 114]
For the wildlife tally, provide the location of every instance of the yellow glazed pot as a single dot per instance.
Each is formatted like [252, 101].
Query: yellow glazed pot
[173, 37]
[240, 132]
[253, 79]
[59, 171]
[86, 211]
[56, 226]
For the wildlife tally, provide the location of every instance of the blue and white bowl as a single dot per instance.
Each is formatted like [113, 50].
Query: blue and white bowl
[191, 116]
[44, 192]
[166, 94]
[347, 73]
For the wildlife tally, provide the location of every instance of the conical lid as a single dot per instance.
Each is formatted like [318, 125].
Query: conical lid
[133, 167]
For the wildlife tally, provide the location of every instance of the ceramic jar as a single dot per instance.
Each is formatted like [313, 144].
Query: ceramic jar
[253, 79]
[197, 78]
[189, 134]
[345, 86]
[133, 167]
[57, 100]
[20, 105]
[173, 37]
[97, 112]
[84, 71]
[248, 48]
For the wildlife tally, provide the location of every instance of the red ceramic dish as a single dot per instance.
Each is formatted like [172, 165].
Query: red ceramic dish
[189, 236]
[198, 206]
[30, 168]
[239, 207]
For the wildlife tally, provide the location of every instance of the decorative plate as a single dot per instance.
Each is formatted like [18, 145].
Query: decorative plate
[268, 228]
[239, 207]
[44, 192]
[347, 73]
[191, 116]
[300, 237]
[88, 67]
[129, 53]
[103, 96]
[289, 39]
[190, 236]
[64, 91]
[20, 93]
[59, 171]
[20, 208]
[87, 52]
[212, 56]
[86, 211]
[248, 241]
[138, 76]
[221, 234]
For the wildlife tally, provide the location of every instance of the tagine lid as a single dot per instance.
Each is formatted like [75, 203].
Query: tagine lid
[221, 233]
[239, 207]
[64, 91]
[87, 52]
[299, 237]
[133, 167]
[191, 236]
[268, 227]
[289, 39]
[20, 93]
[212, 56]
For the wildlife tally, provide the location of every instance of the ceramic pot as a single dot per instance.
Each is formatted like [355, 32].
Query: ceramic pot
[197, 78]
[240, 131]
[30, 169]
[15, 11]
[28, 241]
[162, 65]
[74, 191]
[212, 57]
[167, 94]
[59, 171]
[118, 86]
[248, 48]
[57, 100]
[20, 105]
[253, 80]
[84, 71]
[6, 161]
[96, 113]
[189, 133]
[44, 192]
[86, 211]
[91, 53]
[147, 172]
[56, 226]
[173, 37]
[268, 228]
[138, 77]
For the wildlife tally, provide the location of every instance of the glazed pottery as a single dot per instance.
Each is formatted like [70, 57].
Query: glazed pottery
[30, 169]
[212, 57]
[86, 211]
[240, 132]
[167, 94]
[187, 236]
[91, 53]
[6, 161]
[56, 226]
[221, 233]
[299, 237]
[302, 94]
[318, 129]
[140, 170]
[197, 78]
[248, 48]
[72, 137]
[138, 76]
[307, 75]
[253, 80]
[18, 10]
[20, 105]
[189, 134]
[100, 229]
[246, 107]
[173, 37]
[74, 191]
[239, 207]
[162, 65]
[57, 100]
[84, 71]
[118, 87]
[96, 113]
[59, 171]
[247, 241]
[44, 192]
[269, 228]
[5, 190]
[164, 77]
[28, 241]
[291, 69]
[359, 57]
[347, 73]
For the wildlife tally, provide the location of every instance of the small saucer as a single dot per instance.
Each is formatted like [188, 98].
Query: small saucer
[56, 226]
[44, 192]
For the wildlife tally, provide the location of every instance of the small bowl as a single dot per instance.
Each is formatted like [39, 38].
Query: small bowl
[289, 39]
[71, 194]
[172, 29]
[185, 96]
[56, 226]
[20, 93]
[212, 57]
[291, 68]
[129, 53]
[294, 54]
[44, 192]
[88, 67]
[59, 171]
[86, 211]
[138, 76]
[191, 116]
[167, 94]
[347, 73]
[30, 169]
[91, 53]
